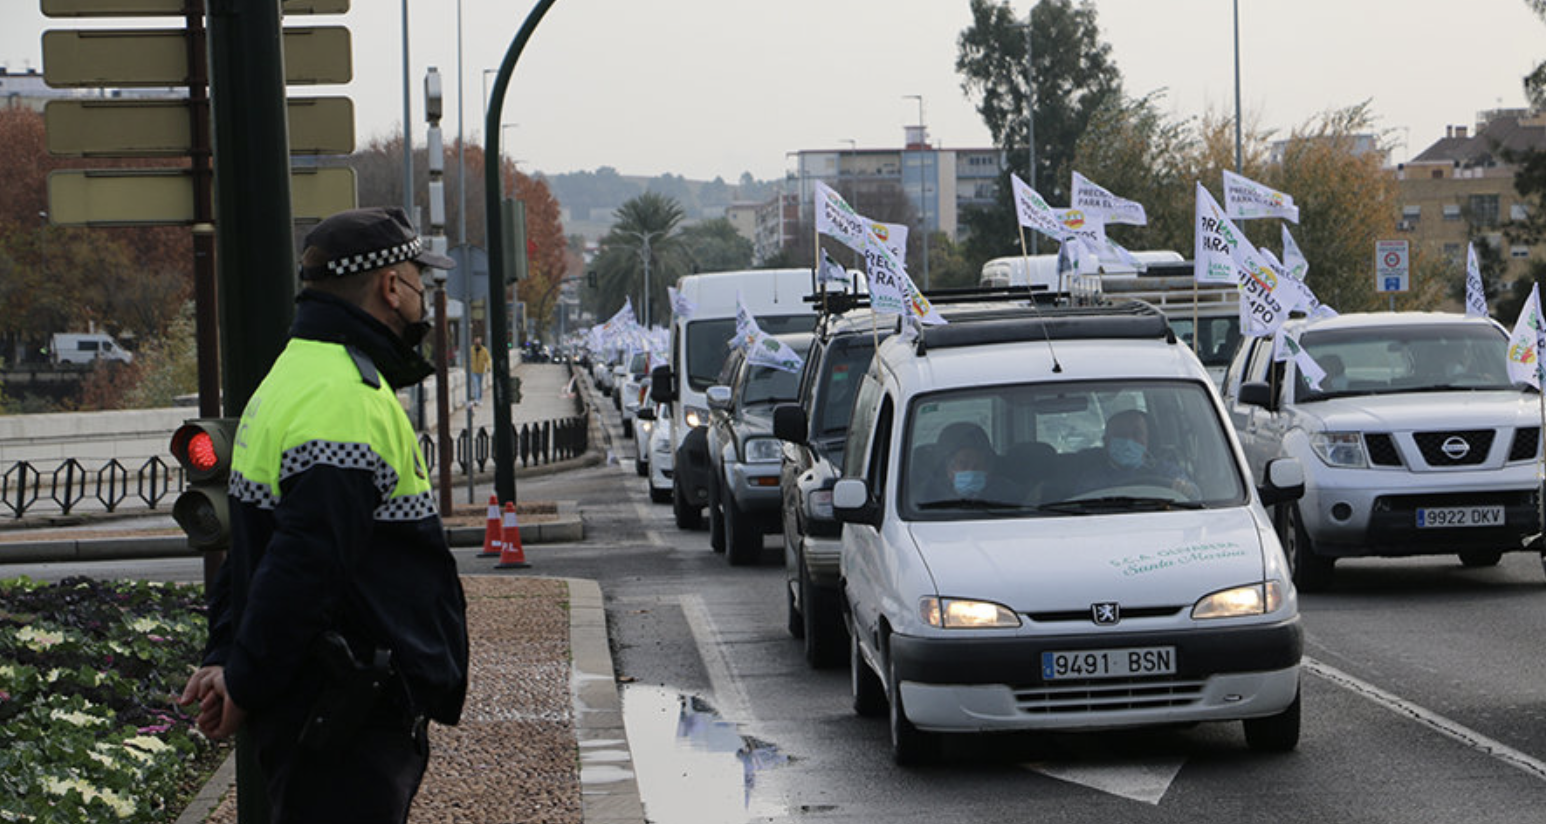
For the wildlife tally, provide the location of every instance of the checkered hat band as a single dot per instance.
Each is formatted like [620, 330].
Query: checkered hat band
[377, 259]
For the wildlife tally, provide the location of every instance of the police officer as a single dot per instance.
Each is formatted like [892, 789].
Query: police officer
[338, 623]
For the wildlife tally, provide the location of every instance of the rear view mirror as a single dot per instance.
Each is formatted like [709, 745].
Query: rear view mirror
[1256, 393]
[1283, 481]
[661, 386]
[852, 504]
[718, 397]
[790, 423]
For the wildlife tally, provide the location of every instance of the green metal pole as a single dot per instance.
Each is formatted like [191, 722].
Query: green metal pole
[499, 277]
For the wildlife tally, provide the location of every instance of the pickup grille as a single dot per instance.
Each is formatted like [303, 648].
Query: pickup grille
[1382, 449]
[1527, 443]
[1432, 446]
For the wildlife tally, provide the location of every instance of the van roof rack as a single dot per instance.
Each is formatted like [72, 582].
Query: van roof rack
[1131, 320]
[836, 303]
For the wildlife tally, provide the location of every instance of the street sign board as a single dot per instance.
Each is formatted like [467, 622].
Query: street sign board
[149, 58]
[1392, 265]
[169, 8]
[164, 197]
[470, 261]
[92, 127]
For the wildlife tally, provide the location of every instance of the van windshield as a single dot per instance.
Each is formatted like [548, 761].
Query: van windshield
[707, 343]
[1065, 449]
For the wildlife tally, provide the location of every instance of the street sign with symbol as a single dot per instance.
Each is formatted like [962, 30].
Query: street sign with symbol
[1392, 265]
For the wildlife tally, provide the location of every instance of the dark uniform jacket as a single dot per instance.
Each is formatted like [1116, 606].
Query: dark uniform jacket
[334, 524]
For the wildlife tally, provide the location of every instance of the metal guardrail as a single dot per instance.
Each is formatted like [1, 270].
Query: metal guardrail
[69, 485]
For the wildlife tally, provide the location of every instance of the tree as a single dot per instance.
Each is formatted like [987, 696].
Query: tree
[1131, 149]
[716, 246]
[1074, 78]
[646, 227]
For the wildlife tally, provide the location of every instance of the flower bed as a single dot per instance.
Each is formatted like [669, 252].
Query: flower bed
[89, 728]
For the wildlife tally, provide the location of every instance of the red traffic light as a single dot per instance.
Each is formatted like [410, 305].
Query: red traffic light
[201, 452]
[203, 447]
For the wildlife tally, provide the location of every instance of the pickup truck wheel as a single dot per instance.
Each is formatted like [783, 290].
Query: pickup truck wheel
[716, 520]
[687, 515]
[1312, 572]
[868, 692]
[793, 620]
[1481, 557]
[911, 746]
[1275, 733]
[743, 540]
[822, 625]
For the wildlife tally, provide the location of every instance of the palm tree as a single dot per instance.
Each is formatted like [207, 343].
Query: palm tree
[644, 241]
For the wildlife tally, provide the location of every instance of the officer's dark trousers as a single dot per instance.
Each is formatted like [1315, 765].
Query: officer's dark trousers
[370, 780]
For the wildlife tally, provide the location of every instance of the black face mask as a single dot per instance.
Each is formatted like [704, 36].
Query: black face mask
[415, 333]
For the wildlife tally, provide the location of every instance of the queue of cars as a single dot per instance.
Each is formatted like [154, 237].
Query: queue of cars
[1041, 517]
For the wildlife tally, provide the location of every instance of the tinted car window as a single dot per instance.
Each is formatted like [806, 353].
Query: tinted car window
[707, 343]
[1390, 359]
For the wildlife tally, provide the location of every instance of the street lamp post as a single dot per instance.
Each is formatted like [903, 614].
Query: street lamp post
[1030, 111]
[644, 253]
[1239, 153]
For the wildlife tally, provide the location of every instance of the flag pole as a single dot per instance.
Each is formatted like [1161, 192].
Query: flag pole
[1026, 256]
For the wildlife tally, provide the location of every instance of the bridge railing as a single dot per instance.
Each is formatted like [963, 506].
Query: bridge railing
[69, 486]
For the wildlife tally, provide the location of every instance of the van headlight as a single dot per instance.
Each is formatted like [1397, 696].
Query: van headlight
[1255, 599]
[695, 416]
[763, 450]
[1341, 449]
[958, 613]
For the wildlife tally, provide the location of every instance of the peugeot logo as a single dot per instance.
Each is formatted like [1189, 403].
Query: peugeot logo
[1106, 614]
[1455, 447]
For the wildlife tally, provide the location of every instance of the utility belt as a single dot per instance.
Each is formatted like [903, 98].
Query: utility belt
[355, 695]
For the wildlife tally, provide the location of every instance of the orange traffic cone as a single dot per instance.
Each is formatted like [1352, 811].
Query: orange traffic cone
[511, 555]
[493, 530]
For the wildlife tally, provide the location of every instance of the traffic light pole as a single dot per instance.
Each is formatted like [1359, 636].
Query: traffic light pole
[499, 279]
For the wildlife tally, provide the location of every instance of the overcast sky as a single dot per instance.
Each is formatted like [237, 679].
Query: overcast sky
[706, 88]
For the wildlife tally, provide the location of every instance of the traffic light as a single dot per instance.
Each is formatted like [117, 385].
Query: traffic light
[203, 447]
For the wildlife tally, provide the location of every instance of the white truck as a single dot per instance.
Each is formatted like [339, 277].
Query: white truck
[86, 347]
[1205, 317]
[1041, 271]
[699, 344]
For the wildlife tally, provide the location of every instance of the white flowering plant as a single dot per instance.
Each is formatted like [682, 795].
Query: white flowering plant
[89, 727]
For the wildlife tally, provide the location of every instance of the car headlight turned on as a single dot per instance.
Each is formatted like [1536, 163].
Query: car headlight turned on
[1239, 602]
[695, 416]
[958, 613]
[1342, 449]
[763, 450]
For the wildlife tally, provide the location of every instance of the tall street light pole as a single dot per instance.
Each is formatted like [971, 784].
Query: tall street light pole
[1239, 150]
[407, 119]
[1030, 110]
[644, 253]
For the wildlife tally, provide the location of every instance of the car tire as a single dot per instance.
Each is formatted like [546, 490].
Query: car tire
[627, 427]
[660, 496]
[1474, 558]
[687, 515]
[642, 467]
[1275, 733]
[793, 620]
[822, 627]
[911, 746]
[869, 693]
[1312, 572]
[743, 540]
[716, 520]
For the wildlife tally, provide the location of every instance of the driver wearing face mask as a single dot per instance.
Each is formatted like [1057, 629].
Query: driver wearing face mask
[968, 466]
[1126, 459]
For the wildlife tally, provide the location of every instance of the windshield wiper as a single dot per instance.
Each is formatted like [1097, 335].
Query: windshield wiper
[1084, 506]
[970, 503]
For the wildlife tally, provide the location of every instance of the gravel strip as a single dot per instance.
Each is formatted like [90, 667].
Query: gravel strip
[513, 757]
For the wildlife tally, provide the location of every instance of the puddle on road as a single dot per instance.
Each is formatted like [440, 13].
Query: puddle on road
[692, 766]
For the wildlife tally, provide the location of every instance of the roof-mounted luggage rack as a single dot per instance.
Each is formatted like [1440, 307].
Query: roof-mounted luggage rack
[836, 303]
[1132, 320]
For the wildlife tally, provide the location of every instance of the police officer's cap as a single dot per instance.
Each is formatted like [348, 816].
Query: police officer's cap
[360, 240]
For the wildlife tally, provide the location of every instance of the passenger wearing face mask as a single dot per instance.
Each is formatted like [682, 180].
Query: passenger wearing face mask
[1127, 461]
[968, 468]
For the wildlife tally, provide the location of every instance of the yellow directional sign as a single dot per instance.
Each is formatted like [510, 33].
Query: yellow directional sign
[169, 8]
[164, 197]
[130, 58]
[160, 128]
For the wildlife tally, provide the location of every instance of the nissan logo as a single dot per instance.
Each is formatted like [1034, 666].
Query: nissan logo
[1455, 447]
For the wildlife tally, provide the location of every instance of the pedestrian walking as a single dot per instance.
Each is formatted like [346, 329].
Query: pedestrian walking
[337, 623]
[479, 365]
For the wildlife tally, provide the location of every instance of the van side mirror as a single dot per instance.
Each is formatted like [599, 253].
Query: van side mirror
[852, 504]
[1283, 481]
[662, 387]
[790, 423]
[718, 397]
[1257, 393]
[645, 413]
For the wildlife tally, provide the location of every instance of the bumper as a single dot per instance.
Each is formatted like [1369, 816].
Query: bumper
[1381, 519]
[974, 684]
[755, 487]
[822, 559]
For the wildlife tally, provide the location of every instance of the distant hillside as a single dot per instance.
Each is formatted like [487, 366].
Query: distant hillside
[589, 199]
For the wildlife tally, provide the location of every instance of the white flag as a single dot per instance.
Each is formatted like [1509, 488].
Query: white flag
[746, 329]
[680, 305]
[1475, 295]
[1033, 211]
[1293, 259]
[1286, 347]
[892, 292]
[835, 218]
[1213, 239]
[1245, 199]
[893, 235]
[831, 270]
[1524, 345]
[1083, 225]
[769, 351]
[1112, 209]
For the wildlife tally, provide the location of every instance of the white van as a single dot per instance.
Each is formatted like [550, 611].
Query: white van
[1041, 271]
[699, 345]
[86, 347]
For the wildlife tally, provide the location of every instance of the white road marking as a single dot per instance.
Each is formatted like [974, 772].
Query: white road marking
[729, 695]
[1145, 780]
